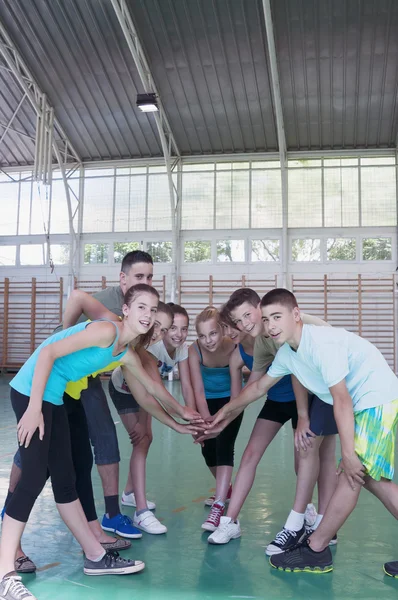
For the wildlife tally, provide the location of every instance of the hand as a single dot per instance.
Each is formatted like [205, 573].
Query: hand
[137, 434]
[303, 434]
[189, 414]
[30, 421]
[208, 434]
[222, 414]
[188, 428]
[353, 469]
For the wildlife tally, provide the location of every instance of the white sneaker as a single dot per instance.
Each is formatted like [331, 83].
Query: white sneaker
[129, 500]
[310, 515]
[12, 588]
[149, 523]
[225, 532]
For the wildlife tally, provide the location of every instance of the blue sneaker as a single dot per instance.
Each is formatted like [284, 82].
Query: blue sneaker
[122, 525]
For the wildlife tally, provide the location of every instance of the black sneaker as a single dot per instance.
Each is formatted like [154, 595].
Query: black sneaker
[112, 564]
[309, 532]
[285, 540]
[303, 559]
[391, 569]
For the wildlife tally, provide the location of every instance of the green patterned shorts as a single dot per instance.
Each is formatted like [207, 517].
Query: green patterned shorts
[375, 433]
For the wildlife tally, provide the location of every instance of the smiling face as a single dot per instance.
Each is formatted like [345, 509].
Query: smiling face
[161, 326]
[178, 332]
[234, 334]
[140, 272]
[210, 334]
[248, 319]
[281, 323]
[140, 314]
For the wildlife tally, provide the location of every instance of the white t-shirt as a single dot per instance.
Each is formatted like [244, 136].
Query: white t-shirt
[119, 382]
[327, 355]
[165, 362]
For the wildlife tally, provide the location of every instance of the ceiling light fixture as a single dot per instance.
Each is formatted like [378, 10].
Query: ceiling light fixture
[147, 102]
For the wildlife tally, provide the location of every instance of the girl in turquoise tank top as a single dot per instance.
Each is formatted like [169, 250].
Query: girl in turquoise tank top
[209, 365]
[43, 433]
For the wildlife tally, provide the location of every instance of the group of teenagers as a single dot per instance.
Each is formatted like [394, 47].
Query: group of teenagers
[324, 380]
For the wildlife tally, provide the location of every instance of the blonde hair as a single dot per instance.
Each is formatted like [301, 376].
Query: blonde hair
[209, 313]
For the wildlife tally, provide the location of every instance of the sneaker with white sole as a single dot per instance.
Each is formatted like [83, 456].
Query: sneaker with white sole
[12, 588]
[226, 531]
[129, 500]
[121, 525]
[214, 517]
[112, 564]
[285, 540]
[210, 501]
[147, 522]
[310, 515]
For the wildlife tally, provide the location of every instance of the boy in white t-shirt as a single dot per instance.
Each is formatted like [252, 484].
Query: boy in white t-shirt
[350, 373]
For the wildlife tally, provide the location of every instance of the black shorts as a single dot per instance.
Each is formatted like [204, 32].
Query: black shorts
[124, 403]
[279, 412]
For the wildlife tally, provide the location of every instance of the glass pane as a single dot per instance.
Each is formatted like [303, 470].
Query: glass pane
[40, 208]
[341, 249]
[98, 204]
[199, 167]
[304, 163]
[378, 160]
[159, 212]
[24, 207]
[9, 208]
[265, 251]
[31, 254]
[197, 252]
[305, 198]
[120, 249]
[7, 255]
[130, 201]
[59, 209]
[157, 169]
[240, 165]
[266, 164]
[197, 200]
[306, 250]
[341, 197]
[224, 166]
[96, 254]
[377, 248]
[378, 195]
[98, 172]
[266, 199]
[230, 251]
[60, 254]
[232, 200]
[160, 251]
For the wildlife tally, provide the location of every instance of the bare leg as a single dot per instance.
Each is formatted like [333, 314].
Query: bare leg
[308, 472]
[73, 516]
[262, 435]
[11, 533]
[99, 533]
[139, 455]
[110, 478]
[339, 509]
[213, 471]
[327, 480]
[223, 481]
[386, 491]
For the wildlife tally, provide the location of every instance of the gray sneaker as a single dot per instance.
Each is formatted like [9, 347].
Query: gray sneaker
[113, 564]
[11, 588]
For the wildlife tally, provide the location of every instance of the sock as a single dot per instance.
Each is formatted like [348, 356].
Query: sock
[139, 512]
[220, 502]
[112, 506]
[126, 493]
[317, 522]
[99, 558]
[9, 496]
[295, 521]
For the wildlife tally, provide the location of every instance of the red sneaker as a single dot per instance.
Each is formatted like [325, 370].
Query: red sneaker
[213, 519]
[210, 501]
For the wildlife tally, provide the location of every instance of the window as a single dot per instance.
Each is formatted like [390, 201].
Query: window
[378, 196]
[159, 210]
[7, 255]
[96, 254]
[60, 254]
[306, 250]
[32, 254]
[305, 197]
[98, 204]
[160, 251]
[341, 197]
[265, 251]
[130, 203]
[377, 248]
[230, 251]
[120, 249]
[266, 205]
[9, 208]
[232, 199]
[197, 201]
[341, 249]
[197, 252]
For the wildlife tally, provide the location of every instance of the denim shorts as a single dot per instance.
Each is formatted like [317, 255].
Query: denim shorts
[124, 403]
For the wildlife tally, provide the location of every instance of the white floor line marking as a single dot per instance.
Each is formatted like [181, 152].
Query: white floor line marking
[81, 584]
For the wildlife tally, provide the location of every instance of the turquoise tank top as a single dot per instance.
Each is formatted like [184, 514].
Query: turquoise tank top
[247, 358]
[71, 367]
[216, 380]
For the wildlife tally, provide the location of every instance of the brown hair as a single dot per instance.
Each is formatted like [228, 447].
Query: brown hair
[129, 297]
[176, 309]
[210, 312]
[280, 296]
[225, 316]
[166, 309]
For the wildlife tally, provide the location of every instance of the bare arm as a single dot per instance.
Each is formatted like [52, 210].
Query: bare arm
[197, 383]
[256, 375]
[344, 415]
[235, 369]
[82, 303]
[186, 384]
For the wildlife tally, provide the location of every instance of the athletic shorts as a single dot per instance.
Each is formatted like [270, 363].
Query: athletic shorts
[375, 434]
[124, 403]
[279, 412]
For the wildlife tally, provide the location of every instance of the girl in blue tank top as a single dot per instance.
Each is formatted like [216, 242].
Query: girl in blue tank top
[211, 381]
[43, 433]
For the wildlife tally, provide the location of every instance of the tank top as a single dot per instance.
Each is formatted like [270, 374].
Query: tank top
[71, 367]
[247, 358]
[216, 380]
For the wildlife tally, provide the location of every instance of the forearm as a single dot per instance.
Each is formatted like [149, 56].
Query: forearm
[189, 397]
[157, 390]
[155, 409]
[73, 309]
[344, 416]
[251, 393]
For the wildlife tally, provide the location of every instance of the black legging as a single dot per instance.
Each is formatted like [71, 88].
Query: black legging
[55, 455]
[219, 451]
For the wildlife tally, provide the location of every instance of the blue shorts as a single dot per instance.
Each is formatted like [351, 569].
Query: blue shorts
[124, 403]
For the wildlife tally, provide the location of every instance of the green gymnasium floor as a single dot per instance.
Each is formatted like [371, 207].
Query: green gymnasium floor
[180, 564]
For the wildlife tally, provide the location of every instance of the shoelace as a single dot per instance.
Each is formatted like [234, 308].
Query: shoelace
[22, 560]
[283, 536]
[112, 557]
[15, 585]
[214, 514]
[125, 520]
